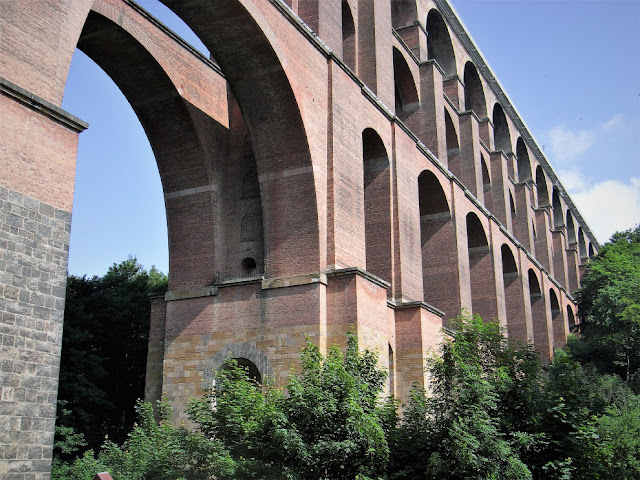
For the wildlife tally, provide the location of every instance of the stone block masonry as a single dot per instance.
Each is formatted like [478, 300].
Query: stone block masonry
[34, 247]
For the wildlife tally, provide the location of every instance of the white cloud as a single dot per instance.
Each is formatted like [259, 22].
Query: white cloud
[568, 144]
[612, 122]
[608, 206]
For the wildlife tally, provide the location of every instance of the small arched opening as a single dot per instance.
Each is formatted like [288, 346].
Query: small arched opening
[439, 45]
[473, 92]
[557, 320]
[501, 135]
[541, 188]
[406, 94]
[377, 205]
[524, 164]
[516, 325]
[481, 273]
[250, 368]
[558, 218]
[539, 317]
[348, 36]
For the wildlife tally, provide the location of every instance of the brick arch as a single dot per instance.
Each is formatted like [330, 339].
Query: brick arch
[474, 98]
[348, 36]
[377, 204]
[406, 94]
[403, 13]
[513, 297]
[541, 187]
[481, 271]
[501, 134]
[437, 229]
[240, 41]
[557, 320]
[558, 218]
[524, 164]
[439, 45]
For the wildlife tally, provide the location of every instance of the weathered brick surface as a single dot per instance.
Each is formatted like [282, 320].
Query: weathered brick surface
[34, 244]
[281, 212]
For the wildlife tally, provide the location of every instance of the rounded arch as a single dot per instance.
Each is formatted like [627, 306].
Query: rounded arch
[403, 13]
[431, 197]
[439, 45]
[571, 319]
[348, 36]
[571, 229]
[476, 236]
[406, 94]
[377, 204]
[246, 351]
[591, 250]
[260, 85]
[473, 91]
[558, 218]
[557, 320]
[534, 284]
[524, 164]
[501, 134]
[582, 245]
[486, 179]
[509, 265]
[541, 187]
[512, 205]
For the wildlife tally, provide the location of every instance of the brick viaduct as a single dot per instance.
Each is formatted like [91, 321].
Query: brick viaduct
[337, 164]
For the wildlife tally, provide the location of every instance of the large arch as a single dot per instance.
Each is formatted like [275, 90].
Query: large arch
[557, 321]
[513, 297]
[524, 164]
[260, 85]
[439, 45]
[541, 188]
[541, 332]
[406, 94]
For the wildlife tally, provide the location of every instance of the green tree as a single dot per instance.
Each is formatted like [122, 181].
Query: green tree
[328, 425]
[104, 349]
[609, 307]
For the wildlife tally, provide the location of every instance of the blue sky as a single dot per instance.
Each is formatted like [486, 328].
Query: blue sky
[571, 68]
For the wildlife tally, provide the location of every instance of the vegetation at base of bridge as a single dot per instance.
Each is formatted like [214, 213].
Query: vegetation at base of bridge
[492, 412]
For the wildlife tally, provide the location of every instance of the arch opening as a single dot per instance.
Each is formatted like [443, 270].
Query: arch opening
[439, 45]
[250, 368]
[558, 218]
[403, 13]
[348, 36]
[406, 95]
[541, 188]
[524, 164]
[377, 204]
[501, 135]
[474, 99]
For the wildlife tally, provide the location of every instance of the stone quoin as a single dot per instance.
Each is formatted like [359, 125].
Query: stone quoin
[336, 165]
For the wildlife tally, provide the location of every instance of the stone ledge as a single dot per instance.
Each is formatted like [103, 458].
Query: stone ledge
[361, 273]
[194, 292]
[41, 105]
[294, 280]
[414, 304]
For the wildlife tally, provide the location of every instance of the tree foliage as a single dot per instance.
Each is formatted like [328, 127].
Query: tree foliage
[609, 306]
[104, 349]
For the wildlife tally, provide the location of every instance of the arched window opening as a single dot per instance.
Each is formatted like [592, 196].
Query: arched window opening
[501, 135]
[558, 219]
[486, 180]
[524, 165]
[405, 87]
[553, 300]
[377, 205]
[581, 244]
[476, 237]
[348, 37]
[512, 204]
[439, 46]
[571, 229]
[534, 286]
[431, 197]
[571, 318]
[403, 13]
[541, 188]
[473, 92]
[591, 251]
[533, 230]
[509, 266]
[557, 321]
[453, 147]
[249, 367]
[439, 272]
[249, 267]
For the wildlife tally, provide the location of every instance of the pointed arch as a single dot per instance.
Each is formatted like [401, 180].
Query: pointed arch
[473, 91]
[439, 45]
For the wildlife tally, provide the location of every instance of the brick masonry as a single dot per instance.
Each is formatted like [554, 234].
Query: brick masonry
[304, 197]
[34, 247]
